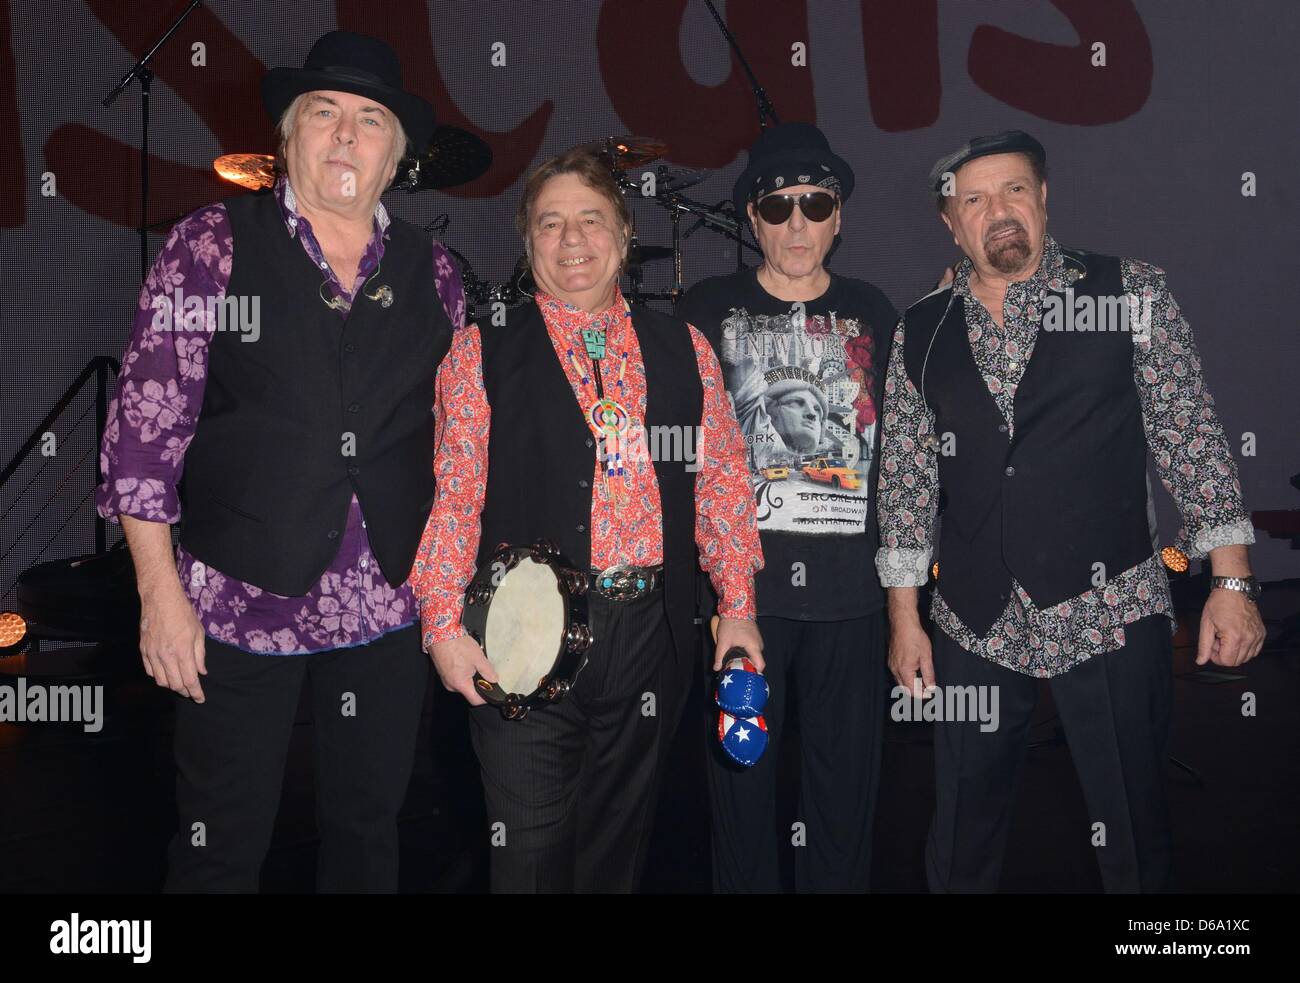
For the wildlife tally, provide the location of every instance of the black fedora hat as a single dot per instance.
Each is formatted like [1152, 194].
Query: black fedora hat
[791, 145]
[346, 62]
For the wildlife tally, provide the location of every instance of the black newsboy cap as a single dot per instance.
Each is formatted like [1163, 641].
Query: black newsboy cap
[1006, 142]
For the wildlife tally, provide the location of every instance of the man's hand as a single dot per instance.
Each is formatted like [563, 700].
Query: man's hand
[172, 643]
[1232, 632]
[738, 632]
[171, 637]
[909, 653]
[456, 660]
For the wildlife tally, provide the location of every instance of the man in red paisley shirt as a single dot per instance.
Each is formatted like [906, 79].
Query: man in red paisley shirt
[572, 785]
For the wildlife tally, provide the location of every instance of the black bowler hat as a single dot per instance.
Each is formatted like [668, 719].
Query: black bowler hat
[788, 147]
[1006, 142]
[348, 62]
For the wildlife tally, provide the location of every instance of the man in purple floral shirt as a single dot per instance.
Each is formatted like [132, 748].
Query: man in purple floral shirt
[276, 396]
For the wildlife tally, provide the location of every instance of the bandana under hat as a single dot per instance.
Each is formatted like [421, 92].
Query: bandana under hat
[789, 175]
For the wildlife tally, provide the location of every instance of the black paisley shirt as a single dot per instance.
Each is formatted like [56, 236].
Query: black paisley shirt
[1183, 432]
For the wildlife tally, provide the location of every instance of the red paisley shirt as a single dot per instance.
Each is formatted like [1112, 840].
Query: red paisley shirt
[726, 529]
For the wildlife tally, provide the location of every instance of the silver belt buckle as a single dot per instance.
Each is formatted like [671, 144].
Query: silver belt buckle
[623, 583]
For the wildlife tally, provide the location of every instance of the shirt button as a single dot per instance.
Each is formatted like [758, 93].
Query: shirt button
[324, 265]
[363, 523]
[332, 534]
[349, 348]
[1010, 472]
[1002, 428]
[581, 527]
[354, 470]
[353, 407]
[590, 442]
[583, 483]
[365, 563]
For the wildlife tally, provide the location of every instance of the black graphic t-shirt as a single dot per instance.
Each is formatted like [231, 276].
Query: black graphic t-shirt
[806, 380]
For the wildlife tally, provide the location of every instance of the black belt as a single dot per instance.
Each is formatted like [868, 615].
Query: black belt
[626, 583]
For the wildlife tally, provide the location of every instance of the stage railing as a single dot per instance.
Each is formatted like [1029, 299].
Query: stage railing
[99, 369]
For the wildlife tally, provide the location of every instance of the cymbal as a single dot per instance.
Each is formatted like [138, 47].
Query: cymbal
[252, 171]
[455, 156]
[628, 151]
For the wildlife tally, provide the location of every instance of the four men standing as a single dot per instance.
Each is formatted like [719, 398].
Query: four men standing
[305, 464]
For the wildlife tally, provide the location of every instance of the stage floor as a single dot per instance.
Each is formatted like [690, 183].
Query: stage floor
[93, 812]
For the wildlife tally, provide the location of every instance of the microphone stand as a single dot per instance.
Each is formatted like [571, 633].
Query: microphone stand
[766, 111]
[766, 114]
[144, 73]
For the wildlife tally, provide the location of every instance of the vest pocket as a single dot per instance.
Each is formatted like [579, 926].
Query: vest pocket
[234, 508]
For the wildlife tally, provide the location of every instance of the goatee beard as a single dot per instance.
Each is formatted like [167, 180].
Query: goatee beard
[1008, 256]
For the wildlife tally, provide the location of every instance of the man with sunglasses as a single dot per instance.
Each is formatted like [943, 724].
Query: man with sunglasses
[803, 352]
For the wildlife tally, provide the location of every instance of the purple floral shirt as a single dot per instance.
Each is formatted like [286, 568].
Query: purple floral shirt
[153, 416]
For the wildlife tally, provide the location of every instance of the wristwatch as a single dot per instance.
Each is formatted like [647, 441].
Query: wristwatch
[1247, 585]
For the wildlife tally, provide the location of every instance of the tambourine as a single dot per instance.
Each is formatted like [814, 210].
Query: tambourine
[527, 608]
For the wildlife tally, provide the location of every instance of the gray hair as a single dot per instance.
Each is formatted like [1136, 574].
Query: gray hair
[289, 119]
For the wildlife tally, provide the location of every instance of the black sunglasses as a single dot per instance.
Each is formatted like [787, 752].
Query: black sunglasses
[817, 206]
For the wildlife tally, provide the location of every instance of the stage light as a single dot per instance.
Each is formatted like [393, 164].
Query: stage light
[13, 634]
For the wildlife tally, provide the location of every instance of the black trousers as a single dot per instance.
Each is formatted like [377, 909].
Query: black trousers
[834, 671]
[1115, 710]
[571, 789]
[230, 755]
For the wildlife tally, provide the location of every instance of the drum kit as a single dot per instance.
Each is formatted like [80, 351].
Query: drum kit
[527, 606]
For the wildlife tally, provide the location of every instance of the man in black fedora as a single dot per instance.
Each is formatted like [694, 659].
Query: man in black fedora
[304, 438]
[1031, 388]
[803, 351]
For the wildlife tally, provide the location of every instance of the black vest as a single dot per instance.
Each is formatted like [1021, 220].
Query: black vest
[541, 453]
[1068, 490]
[268, 477]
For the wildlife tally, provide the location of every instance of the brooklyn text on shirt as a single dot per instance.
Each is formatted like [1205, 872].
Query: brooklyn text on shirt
[1127, 312]
[179, 311]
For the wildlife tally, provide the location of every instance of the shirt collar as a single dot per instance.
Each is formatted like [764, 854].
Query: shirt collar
[566, 317]
[288, 202]
[1052, 273]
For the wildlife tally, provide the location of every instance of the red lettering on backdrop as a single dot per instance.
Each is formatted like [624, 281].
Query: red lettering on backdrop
[1058, 82]
[13, 206]
[405, 25]
[901, 42]
[640, 63]
[101, 175]
[655, 96]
